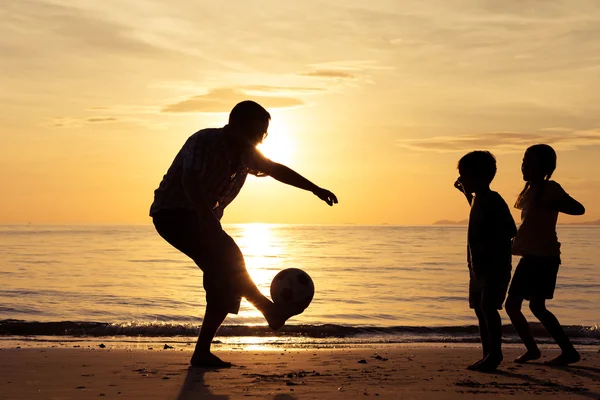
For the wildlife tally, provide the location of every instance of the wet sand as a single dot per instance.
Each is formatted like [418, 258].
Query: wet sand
[387, 372]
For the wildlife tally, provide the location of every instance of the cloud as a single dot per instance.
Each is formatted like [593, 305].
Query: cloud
[329, 73]
[186, 87]
[64, 122]
[124, 109]
[503, 142]
[340, 70]
[282, 89]
[556, 129]
[91, 29]
[223, 100]
[67, 122]
[102, 119]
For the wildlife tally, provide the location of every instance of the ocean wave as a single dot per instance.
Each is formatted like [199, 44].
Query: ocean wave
[466, 333]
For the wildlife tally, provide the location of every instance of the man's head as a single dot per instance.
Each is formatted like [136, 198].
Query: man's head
[477, 170]
[250, 121]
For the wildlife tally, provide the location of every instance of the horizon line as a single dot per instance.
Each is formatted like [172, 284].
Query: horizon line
[434, 224]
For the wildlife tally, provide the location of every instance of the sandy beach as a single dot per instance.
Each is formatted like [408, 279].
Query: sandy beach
[388, 372]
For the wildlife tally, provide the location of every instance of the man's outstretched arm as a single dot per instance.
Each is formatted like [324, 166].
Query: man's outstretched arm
[290, 177]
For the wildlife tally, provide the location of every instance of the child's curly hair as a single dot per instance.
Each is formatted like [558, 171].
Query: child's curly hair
[480, 163]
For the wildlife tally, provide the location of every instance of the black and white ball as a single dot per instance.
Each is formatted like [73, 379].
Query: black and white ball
[292, 286]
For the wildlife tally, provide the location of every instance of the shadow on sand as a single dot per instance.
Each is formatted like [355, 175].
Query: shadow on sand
[547, 385]
[195, 388]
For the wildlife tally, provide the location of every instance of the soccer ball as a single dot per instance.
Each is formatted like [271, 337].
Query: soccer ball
[292, 286]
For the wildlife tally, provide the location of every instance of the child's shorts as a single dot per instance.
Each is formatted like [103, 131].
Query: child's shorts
[535, 277]
[489, 293]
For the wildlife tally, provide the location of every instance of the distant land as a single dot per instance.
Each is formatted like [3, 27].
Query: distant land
[596, 222]
[466, 221]
[448, 222]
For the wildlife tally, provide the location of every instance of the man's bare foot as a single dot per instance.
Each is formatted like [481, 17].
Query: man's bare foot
[490, 363]
[563, 359]
[208, 360]
[529, 355]
[473, 367]
[279, 314]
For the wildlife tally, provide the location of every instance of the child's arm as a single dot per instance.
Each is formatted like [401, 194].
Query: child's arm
[562, 202]
[570, 206]
[460, 187]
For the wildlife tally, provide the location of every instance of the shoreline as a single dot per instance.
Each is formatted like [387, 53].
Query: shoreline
[408, 371]
[124, 342]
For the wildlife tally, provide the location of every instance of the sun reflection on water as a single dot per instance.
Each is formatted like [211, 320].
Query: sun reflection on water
[252, 343]
[262, 250]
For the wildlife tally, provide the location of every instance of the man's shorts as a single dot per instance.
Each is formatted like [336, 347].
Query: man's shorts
[223, 265]
[535, 277]
[488, 293]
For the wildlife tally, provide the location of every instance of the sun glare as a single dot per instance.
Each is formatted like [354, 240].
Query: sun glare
[278, 146]
[255, 240]
[260, 248]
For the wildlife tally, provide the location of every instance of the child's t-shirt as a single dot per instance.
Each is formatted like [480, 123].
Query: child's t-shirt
[539, 213]
[490, 232]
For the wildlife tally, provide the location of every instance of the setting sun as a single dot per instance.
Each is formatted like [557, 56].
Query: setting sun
[279, 145]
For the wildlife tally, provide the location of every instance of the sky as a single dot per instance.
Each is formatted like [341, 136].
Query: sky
[374, 100]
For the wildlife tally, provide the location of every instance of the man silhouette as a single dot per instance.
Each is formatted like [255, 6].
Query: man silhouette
[204, 178]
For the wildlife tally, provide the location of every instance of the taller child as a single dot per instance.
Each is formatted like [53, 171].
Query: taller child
[537, 243]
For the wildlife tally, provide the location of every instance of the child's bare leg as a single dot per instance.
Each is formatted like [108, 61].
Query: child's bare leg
[202, 357]
[513, 309]
[494, 331]
[569, 355]
[483, 333]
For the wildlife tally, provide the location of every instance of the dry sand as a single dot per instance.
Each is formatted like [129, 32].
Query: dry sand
[387, 372]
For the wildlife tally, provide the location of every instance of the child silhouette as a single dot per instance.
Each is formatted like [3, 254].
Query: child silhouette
[537, 243]
[491, 229]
